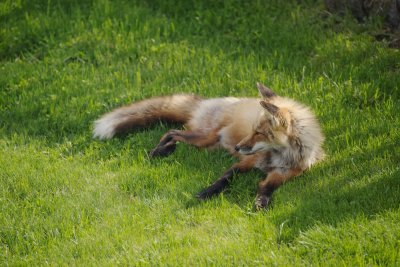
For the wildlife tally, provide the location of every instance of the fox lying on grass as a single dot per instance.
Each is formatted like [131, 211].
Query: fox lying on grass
[277, 135]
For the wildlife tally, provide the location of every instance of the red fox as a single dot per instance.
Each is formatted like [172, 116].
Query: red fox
[275, 134]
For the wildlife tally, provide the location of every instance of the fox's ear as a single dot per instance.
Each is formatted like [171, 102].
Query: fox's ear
[265, 91]
[281, 116]
[271, 108]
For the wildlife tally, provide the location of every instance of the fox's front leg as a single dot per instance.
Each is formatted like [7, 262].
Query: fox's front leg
[274, 179]
[245, 165]
[167, 144]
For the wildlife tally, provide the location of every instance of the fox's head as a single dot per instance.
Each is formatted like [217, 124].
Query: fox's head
[271, 131]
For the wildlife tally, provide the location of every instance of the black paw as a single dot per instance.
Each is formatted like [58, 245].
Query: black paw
[214, 189]
[206, 194]
[163, 151]
[261, 202]
[203, 195]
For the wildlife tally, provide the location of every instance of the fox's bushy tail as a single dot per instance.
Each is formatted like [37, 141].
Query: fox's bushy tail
[175, 108]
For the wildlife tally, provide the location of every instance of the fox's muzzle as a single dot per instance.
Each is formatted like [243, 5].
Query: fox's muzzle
[245, 150]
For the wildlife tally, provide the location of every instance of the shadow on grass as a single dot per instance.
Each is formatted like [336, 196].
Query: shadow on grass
[359, 187]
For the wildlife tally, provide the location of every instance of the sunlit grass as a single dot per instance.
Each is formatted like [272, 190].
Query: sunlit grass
[66, 199]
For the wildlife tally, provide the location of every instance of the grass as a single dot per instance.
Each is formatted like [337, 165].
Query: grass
[66, 199]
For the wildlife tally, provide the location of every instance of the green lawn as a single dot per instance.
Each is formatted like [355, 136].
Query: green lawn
[66, 199]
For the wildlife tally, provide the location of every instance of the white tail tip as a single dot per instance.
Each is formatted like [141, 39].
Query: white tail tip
[104, 128]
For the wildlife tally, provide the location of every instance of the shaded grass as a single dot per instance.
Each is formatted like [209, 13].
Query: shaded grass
[67, 199]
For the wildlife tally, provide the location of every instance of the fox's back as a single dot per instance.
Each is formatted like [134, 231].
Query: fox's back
[231, 118]
[207, 115]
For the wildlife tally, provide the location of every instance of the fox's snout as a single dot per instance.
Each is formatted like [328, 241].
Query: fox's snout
[243, 149]
[238, 148]
[254, 143]
[246, 146]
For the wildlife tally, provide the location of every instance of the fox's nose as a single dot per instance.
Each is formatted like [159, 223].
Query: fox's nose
[237, 148]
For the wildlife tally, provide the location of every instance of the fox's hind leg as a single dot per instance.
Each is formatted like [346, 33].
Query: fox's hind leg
[274, 179]
[167, 144]
[245, 165]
